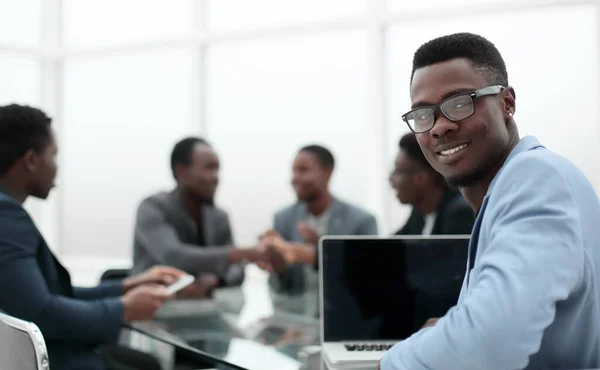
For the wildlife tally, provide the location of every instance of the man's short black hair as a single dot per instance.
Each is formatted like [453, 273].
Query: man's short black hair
[182, 152]
[477, 49]
[323, 155]
[22, 128]
[410, 146]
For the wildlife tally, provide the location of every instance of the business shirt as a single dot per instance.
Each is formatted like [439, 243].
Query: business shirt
[532, 298]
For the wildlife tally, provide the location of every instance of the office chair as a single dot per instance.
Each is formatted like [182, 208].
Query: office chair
[22, 345]
[115, 274]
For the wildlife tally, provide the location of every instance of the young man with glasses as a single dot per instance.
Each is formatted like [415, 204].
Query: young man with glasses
[530, 298]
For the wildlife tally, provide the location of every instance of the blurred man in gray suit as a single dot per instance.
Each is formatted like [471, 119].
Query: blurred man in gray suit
[184, 229]
[316, 213]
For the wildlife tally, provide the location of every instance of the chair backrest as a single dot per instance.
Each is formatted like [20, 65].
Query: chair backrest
[115, 274]
[22, 345]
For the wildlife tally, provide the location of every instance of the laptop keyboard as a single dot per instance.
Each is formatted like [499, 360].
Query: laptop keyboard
[368, 347]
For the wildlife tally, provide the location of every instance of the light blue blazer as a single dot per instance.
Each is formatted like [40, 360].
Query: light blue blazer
[531, 300]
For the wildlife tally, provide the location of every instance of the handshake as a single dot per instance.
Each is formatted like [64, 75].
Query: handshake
[273, 253]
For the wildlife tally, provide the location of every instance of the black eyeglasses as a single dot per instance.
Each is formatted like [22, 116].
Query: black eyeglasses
[455, 108]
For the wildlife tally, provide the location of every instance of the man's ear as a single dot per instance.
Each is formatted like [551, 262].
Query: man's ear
[31, 160]
[421, 178]
[180, 171]
[509, 99]
[328, 172]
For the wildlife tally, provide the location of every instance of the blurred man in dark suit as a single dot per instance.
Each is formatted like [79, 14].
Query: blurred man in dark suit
[184, 228]
[436, 275]
[77, 323]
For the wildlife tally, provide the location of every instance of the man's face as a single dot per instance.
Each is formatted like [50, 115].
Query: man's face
[405, 178]
[42, 169]
[201, 177]
[309, 177]
[484, 137]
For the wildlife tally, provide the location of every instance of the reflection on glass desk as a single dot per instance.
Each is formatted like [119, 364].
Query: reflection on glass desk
[246, 327]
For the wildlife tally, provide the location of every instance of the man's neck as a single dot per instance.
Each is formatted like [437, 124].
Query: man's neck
[191, 201]
[475, 193]
[432, 200]
[14, 190]
[319, 204]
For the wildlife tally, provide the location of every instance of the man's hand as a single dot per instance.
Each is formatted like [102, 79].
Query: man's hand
[163, 275]
[430, 322]
[309, 233]
[201, 288]
[142, 302]
[279, 253]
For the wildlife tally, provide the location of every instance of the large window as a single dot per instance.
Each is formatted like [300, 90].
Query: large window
[236, 14]
[266, 99]
[20, 22]
[93, 23]
[259, 79]
[441, 6]
[20, 76]
[122, 115]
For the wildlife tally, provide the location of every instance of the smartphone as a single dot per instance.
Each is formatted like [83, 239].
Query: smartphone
[182, 283]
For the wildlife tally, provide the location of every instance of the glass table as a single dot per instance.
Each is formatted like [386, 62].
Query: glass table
[248, 326]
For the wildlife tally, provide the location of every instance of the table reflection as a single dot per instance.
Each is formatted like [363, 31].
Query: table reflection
[247, 326]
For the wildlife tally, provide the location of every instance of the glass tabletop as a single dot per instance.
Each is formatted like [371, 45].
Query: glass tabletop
[249, 326]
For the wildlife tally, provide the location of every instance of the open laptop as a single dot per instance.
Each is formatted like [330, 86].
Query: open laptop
[376, 292]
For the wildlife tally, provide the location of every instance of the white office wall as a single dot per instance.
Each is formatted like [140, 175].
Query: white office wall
[259, 79]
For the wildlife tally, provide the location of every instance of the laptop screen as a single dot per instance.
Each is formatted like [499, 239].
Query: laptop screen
[385, 289]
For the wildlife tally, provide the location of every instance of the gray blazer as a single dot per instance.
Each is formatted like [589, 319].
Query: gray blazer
[166, 234]
[346, 219]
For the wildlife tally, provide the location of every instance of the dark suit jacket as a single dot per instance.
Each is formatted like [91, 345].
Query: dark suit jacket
[454, 216]
[435, 273]
[166, 234]
[35, 287]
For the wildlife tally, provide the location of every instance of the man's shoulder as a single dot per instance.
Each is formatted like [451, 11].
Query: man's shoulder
[535, 178]
[6, 199]
[536, 164]
[163, 201]
[9, 205]
[352, 211]
[287, 211]
[161, 197]
[12, 215]
[458, 204]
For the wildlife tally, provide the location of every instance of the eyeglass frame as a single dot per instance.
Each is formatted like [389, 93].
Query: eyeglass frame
[486, 91]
